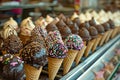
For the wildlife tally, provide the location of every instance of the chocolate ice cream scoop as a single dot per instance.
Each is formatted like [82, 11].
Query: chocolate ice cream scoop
[12, 44]
[92, 22]
[84, 34]
[60, 24]
[68, 21]
[65, 32]
[34, 54]
[77, 21]
[53, 37]
[13, 67]
[85, 24]
[39, 31]
[111, 23]
[93, 32]
[100, 29]
[37, 38]
[106, 26]
[74, 28]
[74, 42]
[38, 35]
[51, 27]
[62, 16]
[58, 50]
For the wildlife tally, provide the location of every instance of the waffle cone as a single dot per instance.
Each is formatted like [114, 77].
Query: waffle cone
[67, 63]
[100, 36]
[53, 67]
[103, 38]
[89, 47]
[96, 43]
[114, 33]
[79, 55]
[24, 39]
[108, 36]
[117, 30]
[31, 72]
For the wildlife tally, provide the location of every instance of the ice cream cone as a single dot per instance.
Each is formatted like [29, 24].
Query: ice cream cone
[103, 38]
[24, 39]
[108, 36]
[100, 36]
[31, 72]
[53, 67]
[96, 43]
[79, 55]
[113, 33]
[67, 63]
[89, 47]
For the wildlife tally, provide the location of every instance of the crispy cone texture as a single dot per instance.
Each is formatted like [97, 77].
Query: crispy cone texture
[31, 72]
[79, 55]
[68, 61]
[53, 67]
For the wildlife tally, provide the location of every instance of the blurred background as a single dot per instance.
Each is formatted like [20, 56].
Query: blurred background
[20, 9]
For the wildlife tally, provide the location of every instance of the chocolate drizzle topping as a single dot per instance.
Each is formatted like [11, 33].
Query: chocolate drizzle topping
[84, 34]
[51, 27]
[12, 44]
[93, 32]
[34, 54]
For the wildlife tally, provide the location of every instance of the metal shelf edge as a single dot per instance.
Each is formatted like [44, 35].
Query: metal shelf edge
[74, 73]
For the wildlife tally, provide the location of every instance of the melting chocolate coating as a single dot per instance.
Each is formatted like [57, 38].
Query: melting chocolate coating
[111, 23]
[68, 21]
[84, 33]
[62, 16]
[60, 24]
[106, 26]
[12, 44]
[86, 25]
[13, 70]
[93, 32]
[65, 32]
[74, 28]
[38, 35]
[51, 27]
[100, 29]
[34, 54]
[37, 38]
[64, 29]
[92, 22]
[39, 31]
[58, 50]
[77, 21]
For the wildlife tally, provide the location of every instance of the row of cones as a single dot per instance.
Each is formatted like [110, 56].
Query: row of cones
[100, 40]
[73, 55]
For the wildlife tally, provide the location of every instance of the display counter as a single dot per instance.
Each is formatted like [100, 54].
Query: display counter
[84, 70]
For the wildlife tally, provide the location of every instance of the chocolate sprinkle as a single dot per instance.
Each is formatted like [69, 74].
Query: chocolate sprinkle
[34, 54]
[12, 44]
